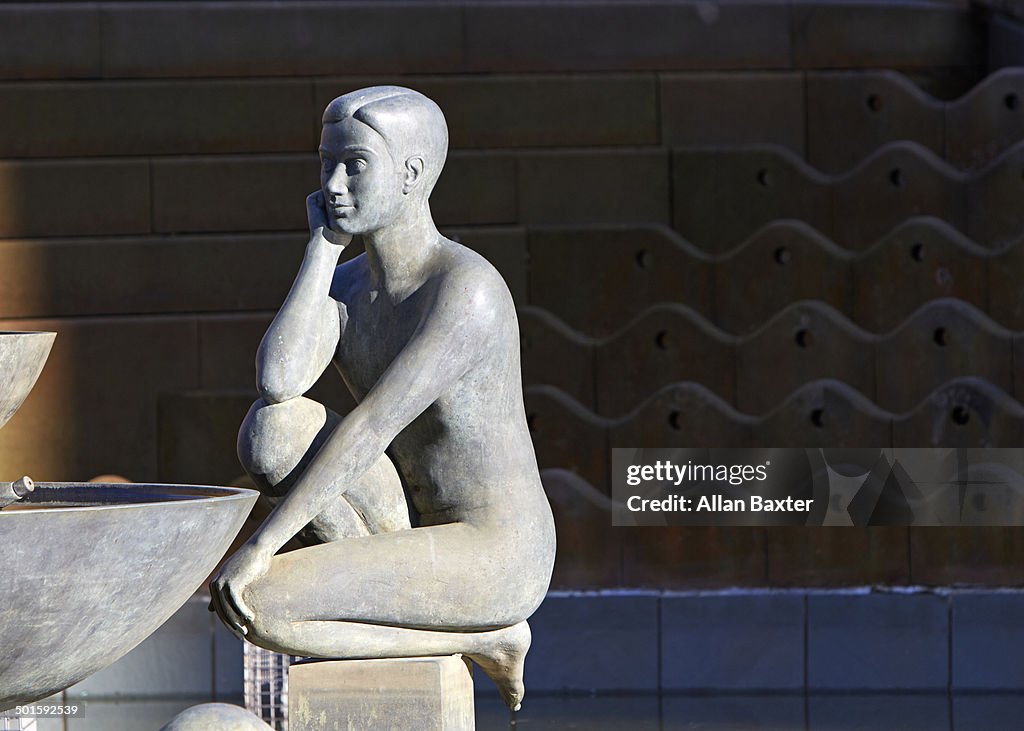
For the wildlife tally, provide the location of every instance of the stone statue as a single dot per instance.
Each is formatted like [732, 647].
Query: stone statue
[425, 336]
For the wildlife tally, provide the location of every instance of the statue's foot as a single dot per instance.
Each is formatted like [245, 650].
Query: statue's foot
[502, 657]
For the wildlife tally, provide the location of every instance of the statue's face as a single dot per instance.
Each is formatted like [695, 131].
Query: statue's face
[361, 182]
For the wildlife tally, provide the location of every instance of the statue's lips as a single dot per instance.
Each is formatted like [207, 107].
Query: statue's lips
[338, 210]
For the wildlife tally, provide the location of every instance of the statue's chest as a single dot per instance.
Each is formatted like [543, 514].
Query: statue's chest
[375, 334]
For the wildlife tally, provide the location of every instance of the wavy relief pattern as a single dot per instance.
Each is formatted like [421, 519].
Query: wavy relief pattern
[965, 412]
[852, 113]
[622, 271]
[942, 340]
[723, 195]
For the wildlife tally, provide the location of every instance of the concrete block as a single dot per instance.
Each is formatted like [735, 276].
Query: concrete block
[987, 639]
[748, 642]
[429, 693]
[174, 661]
[733, 109]
[550, 110]
[895, 183]
[723, 197]
[921, 260]
[1005, 42]
[167, 39]
[74, 197]
[589, 553]
[882, 35]
[968, 412]
[792, 262]
[105, 371]
[590, 187]
[665, 345]
[27, 47]
[942, 341]
[555, 355]
[579, 642]
[905, 712]
[129, 275]
[197, 435]
[1018, 357]
[829, 557]
[851, 114]
[987, 121]
[683, 415]
[155, 118]
[1005, 296]
[693, 557]
[825, 414]
[878, 642]
[476, 189]
[504, 247]
[735, 713]
[233, 193]
[976, 712]
[539, 36]
[623, 272]
[986, 556]
[568, 436]
[993, 219]
[227, 349]
[802, 343]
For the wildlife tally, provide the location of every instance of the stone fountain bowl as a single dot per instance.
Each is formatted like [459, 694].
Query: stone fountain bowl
[22, 356]
[90, 570]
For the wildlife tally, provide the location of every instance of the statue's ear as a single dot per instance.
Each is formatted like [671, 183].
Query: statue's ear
[413, 172]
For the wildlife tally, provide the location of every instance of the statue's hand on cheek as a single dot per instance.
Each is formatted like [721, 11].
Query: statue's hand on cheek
[316, 214]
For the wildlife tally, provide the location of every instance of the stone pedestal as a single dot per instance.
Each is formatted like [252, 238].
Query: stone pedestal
[423, 693]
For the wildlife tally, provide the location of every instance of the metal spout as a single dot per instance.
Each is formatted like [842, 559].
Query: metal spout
[12, 492]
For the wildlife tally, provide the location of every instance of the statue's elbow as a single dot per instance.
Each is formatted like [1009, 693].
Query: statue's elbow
[276, 387]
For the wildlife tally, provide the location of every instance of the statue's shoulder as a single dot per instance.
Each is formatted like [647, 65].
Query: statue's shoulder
[473, 270]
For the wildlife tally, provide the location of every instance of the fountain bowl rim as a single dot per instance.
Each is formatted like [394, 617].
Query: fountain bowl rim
[219, 494]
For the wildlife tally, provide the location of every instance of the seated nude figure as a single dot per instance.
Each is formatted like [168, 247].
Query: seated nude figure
[424, 333]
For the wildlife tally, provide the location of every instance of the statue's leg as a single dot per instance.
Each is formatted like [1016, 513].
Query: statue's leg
[275, 445]
[427, 591]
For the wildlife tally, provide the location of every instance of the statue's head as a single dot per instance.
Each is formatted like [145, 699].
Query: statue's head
[381, 150]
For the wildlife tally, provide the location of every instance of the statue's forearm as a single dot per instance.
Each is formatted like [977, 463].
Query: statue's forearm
[301, 339]
[346, 455]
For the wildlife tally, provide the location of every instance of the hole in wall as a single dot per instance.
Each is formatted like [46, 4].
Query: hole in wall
[961, 415]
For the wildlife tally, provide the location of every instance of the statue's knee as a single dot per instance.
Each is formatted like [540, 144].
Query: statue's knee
[273, 438]
[270, 627]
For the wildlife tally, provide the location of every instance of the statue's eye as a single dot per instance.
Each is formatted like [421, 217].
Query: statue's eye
[355, 165]
[327, 163]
